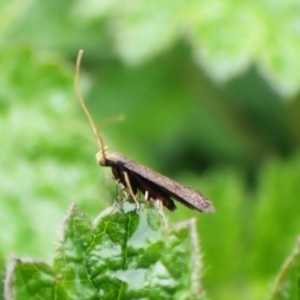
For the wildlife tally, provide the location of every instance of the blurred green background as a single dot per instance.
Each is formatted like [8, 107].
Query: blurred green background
[210, 93]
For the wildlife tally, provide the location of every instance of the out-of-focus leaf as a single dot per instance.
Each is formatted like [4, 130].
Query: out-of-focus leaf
[276, 214]
[248, 237]
[43, 154]
[125, 254]
[287, 282]
[225, 36]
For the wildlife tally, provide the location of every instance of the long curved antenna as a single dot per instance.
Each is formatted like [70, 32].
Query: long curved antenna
[82, 104]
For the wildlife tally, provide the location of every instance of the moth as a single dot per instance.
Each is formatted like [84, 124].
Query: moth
[138, 178]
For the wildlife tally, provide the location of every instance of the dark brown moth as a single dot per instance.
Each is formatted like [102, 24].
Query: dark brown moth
[138, 178]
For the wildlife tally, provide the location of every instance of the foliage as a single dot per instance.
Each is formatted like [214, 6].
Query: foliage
[125, 254]
[225, 36]
[161, 65]
[286, 285]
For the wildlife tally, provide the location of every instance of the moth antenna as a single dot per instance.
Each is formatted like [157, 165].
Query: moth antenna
[101, 155]
[113, 119]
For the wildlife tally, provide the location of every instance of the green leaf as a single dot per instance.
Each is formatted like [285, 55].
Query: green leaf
[226, 37]
[123, 254]
[40, 155]
[276, 214]
[35, 280]
[287, 282]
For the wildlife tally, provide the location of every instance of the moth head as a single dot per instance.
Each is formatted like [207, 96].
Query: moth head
[100, 158]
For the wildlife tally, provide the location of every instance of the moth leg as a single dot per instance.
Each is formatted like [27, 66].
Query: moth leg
[126, 177]
[157, 203]
[118, 202]
[149, 198]
[160, 208]
[118, 192]
[146, 195]
[160, 204]
[123, 189]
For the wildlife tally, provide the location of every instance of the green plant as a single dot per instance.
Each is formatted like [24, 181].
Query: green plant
[123, 254]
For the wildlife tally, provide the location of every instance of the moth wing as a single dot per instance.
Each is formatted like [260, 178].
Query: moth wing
[186, 195]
